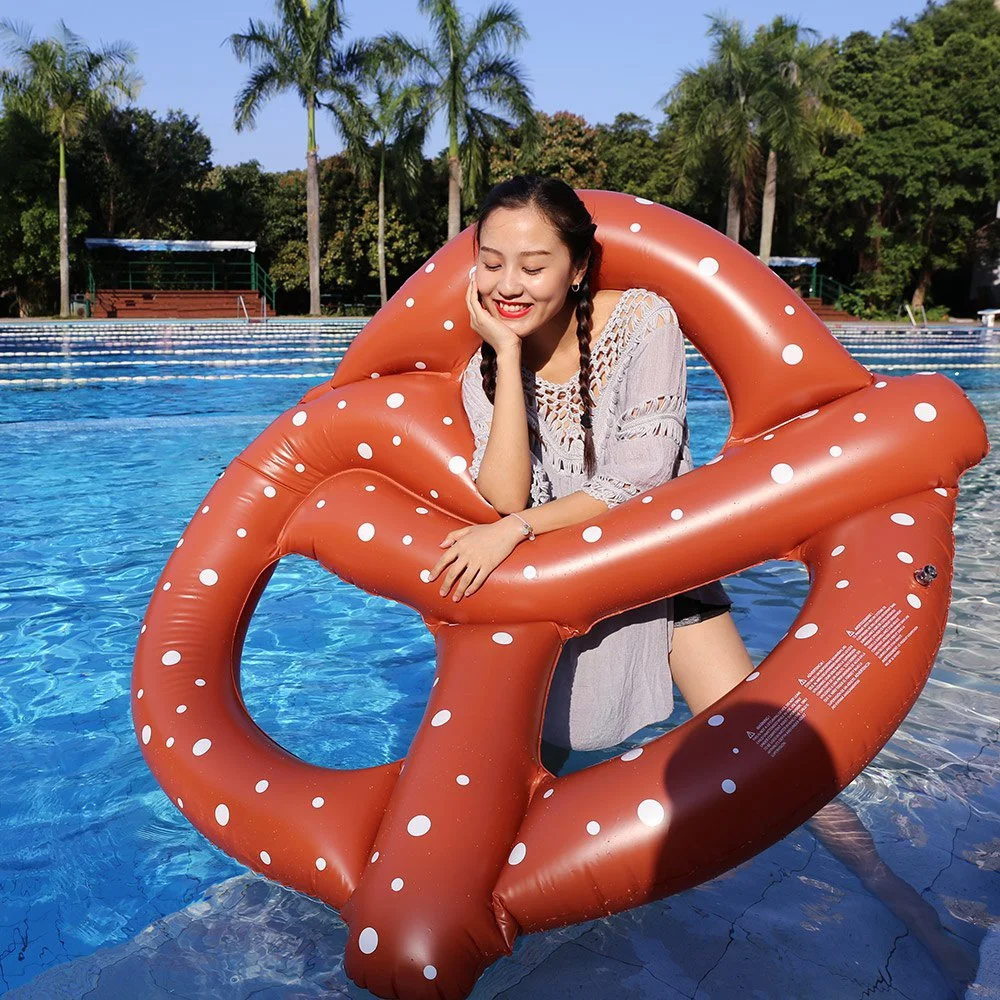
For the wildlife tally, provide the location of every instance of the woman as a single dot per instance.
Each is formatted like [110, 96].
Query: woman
[578, 403]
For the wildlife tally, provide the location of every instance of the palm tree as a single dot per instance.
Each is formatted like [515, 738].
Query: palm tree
[299, 54]
[386, 138]
[476, 83]
[795, 111]
[714, 110]
[62, 84]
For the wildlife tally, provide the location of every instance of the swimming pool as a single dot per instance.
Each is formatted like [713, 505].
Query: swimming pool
[111, 435]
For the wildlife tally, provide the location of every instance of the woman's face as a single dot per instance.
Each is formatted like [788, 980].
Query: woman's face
[523, 271]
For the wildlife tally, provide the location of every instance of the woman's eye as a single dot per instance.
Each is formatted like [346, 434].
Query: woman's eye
[535, 270]
[492, 267]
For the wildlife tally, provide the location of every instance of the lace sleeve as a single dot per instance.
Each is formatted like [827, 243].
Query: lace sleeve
[479, 410]
[647, 440]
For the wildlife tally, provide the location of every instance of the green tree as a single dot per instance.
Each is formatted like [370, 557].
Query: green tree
[61, 83]
[476, 83]
[637, 159]
[300, 54]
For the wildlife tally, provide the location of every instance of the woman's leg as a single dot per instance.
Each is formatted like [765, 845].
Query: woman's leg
[707, 660]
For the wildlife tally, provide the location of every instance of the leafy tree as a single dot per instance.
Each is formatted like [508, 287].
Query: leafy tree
[62, 84]
[637, 159]
[476, 83]
[300, 54]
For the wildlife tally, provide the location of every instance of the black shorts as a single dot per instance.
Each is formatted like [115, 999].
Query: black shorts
[700, 604]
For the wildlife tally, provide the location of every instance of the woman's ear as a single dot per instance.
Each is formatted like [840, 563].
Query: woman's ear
[581, 272]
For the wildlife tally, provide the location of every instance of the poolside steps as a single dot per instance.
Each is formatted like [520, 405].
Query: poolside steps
[177, 303]
[827, 313]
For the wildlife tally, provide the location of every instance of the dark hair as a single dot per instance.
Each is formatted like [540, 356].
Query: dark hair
[568, 215]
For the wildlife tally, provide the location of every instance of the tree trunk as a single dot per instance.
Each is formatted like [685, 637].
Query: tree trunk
[312, 224]
[767, 209]
[454, 196]
[381, 232]
[733, 211]
[920, 292]
[63, 235]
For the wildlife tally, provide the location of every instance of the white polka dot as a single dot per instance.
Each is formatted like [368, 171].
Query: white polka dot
[222, 814]
[366, 532]
[842, 584]
[170, 742]
[341, 404]
[449, 325]
[881, 385]
[418, 826]
[265, 857]
[462, 779]
[205, 509]
[261, 785]
[300, 418]
[374, 857]
[318, 802]
[736, 749]
[904, 519]
[904, 557]
[457, 464]
[924, 412]
[170, 657]
[837, 550]
[365, 450]
[369, 488]
[396, 884]
[940, 492]
[321, 864]
[166, 586]
[634, 754]
[270, 491]
[592, 534]
[139, 694]
[676, 514]
[768, 437]
[647, 499]
[147, 734]
[142, 631]
[503, 638]
[368, 938]
[548, 793]
[806, 631]
[836, 451]
[199, 682]
[395, 400]
[299, 467]
[407, 539]
[790, 310]
[425, 575]
[650, 812]
[435, 494]
[729, 786]
[180, 803]
[447, 421]
[708, 266]
[643, 201]
[180, 542]
[201, 747]
[782, 473]
[593, 828]
[529, 572]
[429, 268]
[753, 676]
[208, 577]
[792, 354]
[913, 600]
[860, 418]
[181, 709]
[716, 720]
[718, 458]
[320, 504]
[409, 303]
[635, 227]
[440, 718]
[420, 364]
[517, 855]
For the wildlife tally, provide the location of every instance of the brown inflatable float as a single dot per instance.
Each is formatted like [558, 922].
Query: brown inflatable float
[437, 867]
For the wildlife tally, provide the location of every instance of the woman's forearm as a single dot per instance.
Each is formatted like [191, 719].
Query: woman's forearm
[504, 479]
[570, 509]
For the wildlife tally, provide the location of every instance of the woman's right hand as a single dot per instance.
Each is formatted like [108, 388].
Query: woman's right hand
[494, 332]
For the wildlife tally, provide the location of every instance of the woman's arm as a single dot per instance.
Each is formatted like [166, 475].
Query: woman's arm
[570, 509]
[504, 479]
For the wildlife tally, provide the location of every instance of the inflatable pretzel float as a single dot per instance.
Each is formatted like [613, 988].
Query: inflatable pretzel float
[437, 866]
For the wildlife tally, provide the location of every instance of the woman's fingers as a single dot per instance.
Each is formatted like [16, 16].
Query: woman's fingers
[477, 581]
[453, 573]
[465, 582]
[446, 557]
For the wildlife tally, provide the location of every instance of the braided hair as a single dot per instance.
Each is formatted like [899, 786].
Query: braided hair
[567, 214]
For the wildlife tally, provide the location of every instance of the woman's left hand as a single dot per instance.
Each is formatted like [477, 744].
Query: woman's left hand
[473, 553]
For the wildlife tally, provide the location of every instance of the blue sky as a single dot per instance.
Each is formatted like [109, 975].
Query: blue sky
[593, 58]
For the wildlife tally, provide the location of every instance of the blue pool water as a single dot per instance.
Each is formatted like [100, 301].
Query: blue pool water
[111, 436]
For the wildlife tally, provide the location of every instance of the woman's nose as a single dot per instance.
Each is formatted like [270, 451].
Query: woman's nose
[509, 286]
